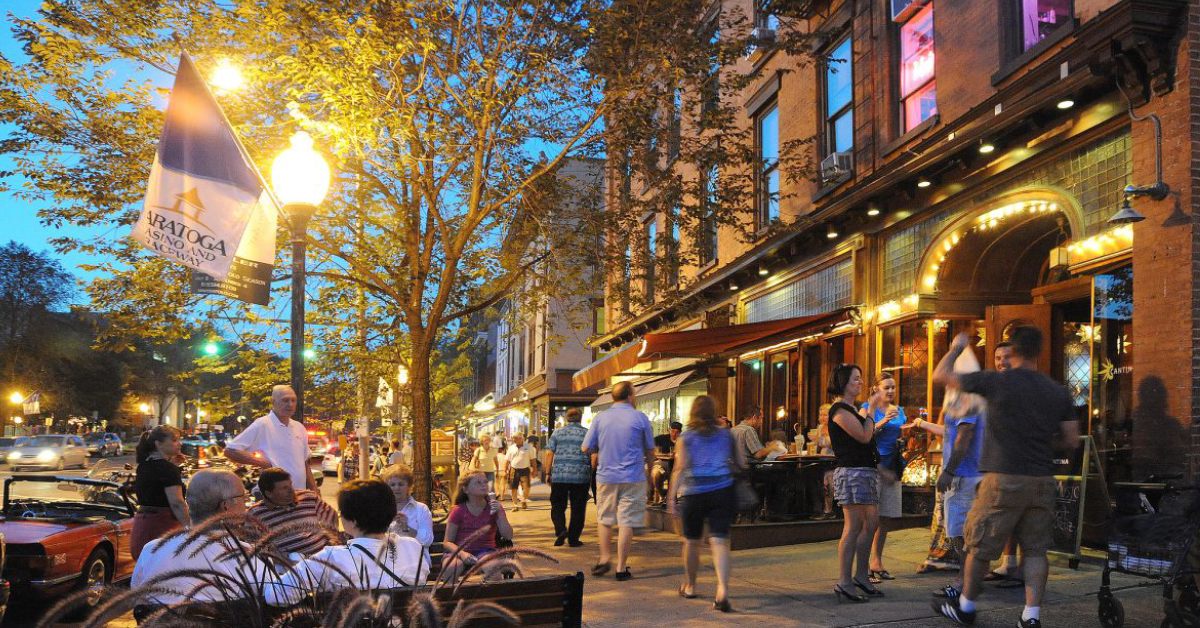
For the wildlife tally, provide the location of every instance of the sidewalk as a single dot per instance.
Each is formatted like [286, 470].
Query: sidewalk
[792, 585]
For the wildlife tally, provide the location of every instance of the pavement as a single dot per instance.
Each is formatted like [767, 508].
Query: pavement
[784, 586]
[792, 585]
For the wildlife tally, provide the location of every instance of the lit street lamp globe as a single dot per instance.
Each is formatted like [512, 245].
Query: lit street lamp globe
[144, 408]
[16, 397]
[299, 174]
[17, 420]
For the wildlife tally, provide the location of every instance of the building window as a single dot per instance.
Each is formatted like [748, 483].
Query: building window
[706, 228]
[839, 99]
[710, 90]
[675, 132]
[1040, 18]
[650, 257]
[918, 90]
[671, 259]
[767, 135]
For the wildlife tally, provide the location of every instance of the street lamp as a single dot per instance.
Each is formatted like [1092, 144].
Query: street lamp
[16, 397]
[300, 177]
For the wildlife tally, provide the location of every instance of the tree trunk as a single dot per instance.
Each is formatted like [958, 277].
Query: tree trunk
[419, 383]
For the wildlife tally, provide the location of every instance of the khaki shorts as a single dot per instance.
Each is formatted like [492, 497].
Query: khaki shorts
[1016, 505]
[622, 504]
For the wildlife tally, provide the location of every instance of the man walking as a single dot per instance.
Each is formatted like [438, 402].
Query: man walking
[279, 440]
[569, 473]
[624, 440]
[1029, 416]
[520, 460]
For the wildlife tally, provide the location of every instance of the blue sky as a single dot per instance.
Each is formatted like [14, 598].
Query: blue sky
[20, 217]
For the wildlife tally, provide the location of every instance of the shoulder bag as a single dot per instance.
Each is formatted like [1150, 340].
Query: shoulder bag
[745, 497]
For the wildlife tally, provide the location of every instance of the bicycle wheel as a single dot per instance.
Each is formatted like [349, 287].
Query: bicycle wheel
[439, 505]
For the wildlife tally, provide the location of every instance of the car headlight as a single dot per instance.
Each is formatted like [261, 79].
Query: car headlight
[14, 454]
[46, 455]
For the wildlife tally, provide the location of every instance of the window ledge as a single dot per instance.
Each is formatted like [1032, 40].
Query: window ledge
[704, 268]
[828, 187]
[1012, 65]
[916, 131]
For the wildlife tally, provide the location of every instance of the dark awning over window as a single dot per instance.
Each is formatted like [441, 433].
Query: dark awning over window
[599, 371]
[716, 341]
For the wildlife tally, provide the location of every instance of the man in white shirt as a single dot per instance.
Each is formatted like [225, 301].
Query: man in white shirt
[278, 440]
[519, 458]
[210, 493]
[406, 453]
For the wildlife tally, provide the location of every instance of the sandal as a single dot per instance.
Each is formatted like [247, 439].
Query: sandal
[878, 576]
[995, 576]
[684, 594]
[870, 591]
[599, 569]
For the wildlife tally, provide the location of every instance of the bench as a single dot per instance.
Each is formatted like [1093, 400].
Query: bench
[541, 601]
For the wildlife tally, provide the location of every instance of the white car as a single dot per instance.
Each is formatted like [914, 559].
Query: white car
[331, 460]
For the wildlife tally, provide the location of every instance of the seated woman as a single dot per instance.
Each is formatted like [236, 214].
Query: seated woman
[473, 509]
[777, 444]
[373, 558]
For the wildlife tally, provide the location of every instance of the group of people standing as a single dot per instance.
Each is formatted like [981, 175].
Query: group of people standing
[1001, 430]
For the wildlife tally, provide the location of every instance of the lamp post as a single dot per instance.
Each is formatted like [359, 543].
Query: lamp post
[300, 178]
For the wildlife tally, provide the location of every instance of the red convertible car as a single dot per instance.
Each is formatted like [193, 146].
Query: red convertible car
[65, 534]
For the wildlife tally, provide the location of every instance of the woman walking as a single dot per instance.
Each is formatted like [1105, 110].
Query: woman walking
[158, 484]
[702, 480]
[855, 483]
[889, 419]
[484, 460]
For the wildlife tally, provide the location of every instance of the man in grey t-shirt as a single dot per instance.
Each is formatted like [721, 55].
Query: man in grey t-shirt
[745, 434]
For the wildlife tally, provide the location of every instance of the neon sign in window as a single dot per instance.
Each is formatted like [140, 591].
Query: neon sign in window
[918, 95]
[1039, 18]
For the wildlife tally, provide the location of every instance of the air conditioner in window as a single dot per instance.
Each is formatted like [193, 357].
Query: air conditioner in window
[763, 36]
[836, 166]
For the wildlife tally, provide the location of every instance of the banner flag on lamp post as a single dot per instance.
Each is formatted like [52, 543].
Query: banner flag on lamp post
[385, 396]
[32, 404]
[206, 205]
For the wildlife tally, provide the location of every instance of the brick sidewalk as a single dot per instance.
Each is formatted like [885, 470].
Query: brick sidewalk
[792, 585]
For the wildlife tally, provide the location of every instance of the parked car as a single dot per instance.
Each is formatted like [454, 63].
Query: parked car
[191, 445]
[73, 542]
[331, 460]
[103, 444]
[49, 451]
[7, 443]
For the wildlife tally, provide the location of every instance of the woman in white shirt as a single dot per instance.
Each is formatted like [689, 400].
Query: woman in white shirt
[373, 558]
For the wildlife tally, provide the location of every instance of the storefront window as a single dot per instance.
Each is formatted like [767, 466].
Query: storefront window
[749, 387]
[777, 411]
[1112, 358]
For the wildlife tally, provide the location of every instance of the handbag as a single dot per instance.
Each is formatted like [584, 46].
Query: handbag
[745, 498]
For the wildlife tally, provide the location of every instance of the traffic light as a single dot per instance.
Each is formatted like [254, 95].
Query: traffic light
[309, 353]
[211, 348]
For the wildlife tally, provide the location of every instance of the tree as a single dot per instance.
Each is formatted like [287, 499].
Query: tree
[433, 111]
[31, 285]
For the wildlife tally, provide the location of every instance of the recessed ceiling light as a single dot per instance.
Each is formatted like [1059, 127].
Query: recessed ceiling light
[1066, 103]
[763, 271]
[831, 232]
[924, 183]
[986, 148]
[873, 210]
[733, 285]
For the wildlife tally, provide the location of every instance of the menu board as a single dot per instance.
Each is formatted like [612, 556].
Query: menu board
[1070, 491]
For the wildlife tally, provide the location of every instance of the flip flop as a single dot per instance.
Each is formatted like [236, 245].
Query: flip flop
[995, 576]
[1010, 583]
[599, 569]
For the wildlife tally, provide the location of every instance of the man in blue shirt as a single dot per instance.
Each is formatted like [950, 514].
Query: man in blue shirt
[569, 473]
[624, 440]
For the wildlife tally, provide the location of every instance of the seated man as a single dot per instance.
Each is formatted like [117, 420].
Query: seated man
[664, 456]
[210, 494]
[373, 558]
[283, 505]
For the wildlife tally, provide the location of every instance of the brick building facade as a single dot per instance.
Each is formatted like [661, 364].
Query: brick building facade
[989, 144]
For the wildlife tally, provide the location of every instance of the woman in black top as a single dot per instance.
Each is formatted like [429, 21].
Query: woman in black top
[159, 488]
[855, 482]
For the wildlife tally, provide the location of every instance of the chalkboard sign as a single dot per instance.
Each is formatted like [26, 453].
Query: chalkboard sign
[1070, 492]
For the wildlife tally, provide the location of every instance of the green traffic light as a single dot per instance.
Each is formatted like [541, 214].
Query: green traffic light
[309, 354]
[211, 348]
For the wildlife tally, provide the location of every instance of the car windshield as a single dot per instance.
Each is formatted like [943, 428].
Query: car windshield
[94, 438]
[37, 496]
[46, 441]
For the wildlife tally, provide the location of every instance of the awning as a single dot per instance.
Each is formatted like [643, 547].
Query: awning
[715, 341]
[647, 388]
[599, 371]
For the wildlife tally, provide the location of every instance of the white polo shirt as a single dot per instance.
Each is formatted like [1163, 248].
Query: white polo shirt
[284, 446]
[519, 457]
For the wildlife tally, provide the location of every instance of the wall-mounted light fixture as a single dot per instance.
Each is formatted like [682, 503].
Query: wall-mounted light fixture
[1126, 214]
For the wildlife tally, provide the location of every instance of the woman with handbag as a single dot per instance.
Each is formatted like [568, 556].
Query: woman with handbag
[889, 419]
[702, 489]
[855, 482]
